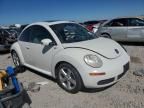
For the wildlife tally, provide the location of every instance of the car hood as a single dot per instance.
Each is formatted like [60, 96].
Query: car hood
[102, 46]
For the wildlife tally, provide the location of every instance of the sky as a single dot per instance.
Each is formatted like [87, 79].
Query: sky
[29, 11]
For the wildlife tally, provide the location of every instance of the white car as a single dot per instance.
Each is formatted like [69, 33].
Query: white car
[68, 52]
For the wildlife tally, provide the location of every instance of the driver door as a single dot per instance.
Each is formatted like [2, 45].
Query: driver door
[36, 54]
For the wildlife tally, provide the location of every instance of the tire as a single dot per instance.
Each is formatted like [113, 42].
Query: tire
[17, 62]
[68, 78]
[106, 36]
[15, 58]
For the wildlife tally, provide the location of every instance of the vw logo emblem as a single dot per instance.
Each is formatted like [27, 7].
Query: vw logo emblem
[116, 50]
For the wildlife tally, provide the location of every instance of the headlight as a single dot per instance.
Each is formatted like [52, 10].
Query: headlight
[93, 61]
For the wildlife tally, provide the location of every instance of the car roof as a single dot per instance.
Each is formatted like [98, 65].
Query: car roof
[53, 22]
[126, 17]
[49, 23]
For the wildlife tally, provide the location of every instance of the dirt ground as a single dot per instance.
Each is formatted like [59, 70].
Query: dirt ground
[127, 93]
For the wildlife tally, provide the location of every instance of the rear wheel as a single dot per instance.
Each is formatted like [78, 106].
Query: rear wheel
[17, 62]
[68, 78]
[15, 58]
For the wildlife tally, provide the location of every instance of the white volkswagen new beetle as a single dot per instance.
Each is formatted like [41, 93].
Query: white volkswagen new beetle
[71, 54]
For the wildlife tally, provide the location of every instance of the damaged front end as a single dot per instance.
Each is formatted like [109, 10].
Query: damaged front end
[7, 38]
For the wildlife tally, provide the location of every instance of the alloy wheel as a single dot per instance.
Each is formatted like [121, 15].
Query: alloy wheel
[67, 78]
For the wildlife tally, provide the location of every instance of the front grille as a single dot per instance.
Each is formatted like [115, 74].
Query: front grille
[125, 69]
[106, 81]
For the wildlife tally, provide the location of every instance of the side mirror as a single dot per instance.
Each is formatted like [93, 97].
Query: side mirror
[46, 42]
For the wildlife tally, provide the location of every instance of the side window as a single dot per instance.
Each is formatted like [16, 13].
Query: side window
[119, 23]
[136, 22]
[25, 35]
[38, 33]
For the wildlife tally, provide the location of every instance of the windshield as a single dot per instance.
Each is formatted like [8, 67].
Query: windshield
[71, 32]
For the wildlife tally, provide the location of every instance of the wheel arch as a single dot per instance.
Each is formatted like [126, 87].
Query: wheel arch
[75, 59]
[60, 62]
[66, 59]
[15, 47]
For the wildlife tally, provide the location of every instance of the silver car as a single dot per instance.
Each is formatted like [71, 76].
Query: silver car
[123, 29]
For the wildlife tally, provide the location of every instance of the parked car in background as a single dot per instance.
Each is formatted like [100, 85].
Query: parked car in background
[93, 25]
[70, 53]
[123, 29]
[7, 37]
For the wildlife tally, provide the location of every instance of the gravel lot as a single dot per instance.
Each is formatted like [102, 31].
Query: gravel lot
[127, 93]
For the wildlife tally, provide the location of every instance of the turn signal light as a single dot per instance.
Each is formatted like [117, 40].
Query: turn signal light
[97, 74]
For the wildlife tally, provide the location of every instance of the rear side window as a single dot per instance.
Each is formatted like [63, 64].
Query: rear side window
[117, 23]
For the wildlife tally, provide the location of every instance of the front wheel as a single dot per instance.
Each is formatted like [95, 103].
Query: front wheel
[68, 78]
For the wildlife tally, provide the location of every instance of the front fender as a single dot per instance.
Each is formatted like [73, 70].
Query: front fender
[74, 56]
[16, 47]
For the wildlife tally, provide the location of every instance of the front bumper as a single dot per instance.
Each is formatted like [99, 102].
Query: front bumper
[114, 69]
[114, 79]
